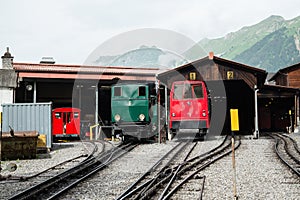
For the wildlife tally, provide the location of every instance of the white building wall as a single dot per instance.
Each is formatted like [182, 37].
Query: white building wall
[6, 96]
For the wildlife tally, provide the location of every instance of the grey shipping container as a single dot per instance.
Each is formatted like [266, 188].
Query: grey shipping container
[29, 117]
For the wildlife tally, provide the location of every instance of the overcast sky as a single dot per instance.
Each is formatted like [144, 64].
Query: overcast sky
[69, 30]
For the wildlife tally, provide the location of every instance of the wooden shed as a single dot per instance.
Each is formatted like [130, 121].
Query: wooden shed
[289, 76]
[232, 85]
[286, 92]
[278, 108]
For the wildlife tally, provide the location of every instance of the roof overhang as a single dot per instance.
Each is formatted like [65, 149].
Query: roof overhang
[276, 91]
[51, 71]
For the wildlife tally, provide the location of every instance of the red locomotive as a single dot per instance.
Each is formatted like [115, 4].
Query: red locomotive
[65, 122]
[189, 108]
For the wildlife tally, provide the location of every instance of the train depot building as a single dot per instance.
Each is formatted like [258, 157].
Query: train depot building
[84, 87]
[232, 85]
[263, 105]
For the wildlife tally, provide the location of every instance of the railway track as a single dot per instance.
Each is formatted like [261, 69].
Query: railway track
[57, 185]
[149, 177]
[165, 183]
[288, 151]
[67, 164]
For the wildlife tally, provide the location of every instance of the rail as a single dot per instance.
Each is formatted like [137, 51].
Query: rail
[287, 151]
[169, 174]
[57, 185]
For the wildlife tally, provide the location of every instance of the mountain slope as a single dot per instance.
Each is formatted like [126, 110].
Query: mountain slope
[234, 43]
[276, 50]
[271, 44]
[147, 57]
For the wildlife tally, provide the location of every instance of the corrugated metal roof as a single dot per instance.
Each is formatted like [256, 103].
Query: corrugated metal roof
[58, 68]
[59, 71]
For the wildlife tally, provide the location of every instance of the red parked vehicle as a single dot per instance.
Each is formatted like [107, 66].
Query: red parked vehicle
[189, 108]
[65, 122]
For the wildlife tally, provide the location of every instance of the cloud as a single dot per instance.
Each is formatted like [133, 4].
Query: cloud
[69, 30]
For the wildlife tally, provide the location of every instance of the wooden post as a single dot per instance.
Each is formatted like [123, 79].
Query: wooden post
[234, 127]
[0, 141]
[233, 167]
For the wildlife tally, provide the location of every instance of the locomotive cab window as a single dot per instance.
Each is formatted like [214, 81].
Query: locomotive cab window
[76, 115]
[188, 92]
[178, 91]
[142, 91]
[198, 91]
[57, 115]
[117, 91]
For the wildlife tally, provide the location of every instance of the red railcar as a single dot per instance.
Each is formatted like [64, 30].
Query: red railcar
[189, 107]
[65, 122]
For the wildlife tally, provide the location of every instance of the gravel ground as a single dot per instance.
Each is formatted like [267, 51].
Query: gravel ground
[61, 152]
[110, 183]
[260, 175]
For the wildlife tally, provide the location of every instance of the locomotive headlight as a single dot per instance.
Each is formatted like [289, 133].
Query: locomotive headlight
[203, 113]
[141, 117]
[117, 117]
[173, 114]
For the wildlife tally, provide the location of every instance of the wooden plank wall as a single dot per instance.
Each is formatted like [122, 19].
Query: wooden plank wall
[294, 79]
[210, 71]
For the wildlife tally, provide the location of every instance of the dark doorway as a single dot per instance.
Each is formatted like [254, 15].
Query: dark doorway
[226, 95]
[276, 113]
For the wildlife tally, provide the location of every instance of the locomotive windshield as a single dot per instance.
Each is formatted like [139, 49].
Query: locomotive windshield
[198, 91]
[178, 91]
[188, 91]
[130, 91]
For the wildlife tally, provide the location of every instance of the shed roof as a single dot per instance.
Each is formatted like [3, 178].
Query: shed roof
[285, 71]
[259, 73]
[221, 61]
[268, 91]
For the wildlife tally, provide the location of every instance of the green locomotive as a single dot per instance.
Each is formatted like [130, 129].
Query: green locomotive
[134, 110]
